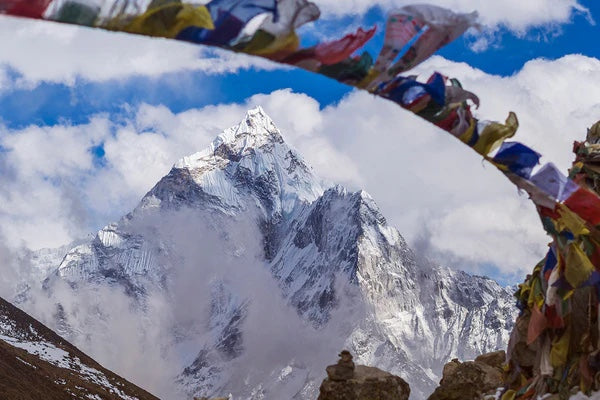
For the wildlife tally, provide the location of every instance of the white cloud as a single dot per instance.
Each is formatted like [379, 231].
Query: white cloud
[41, 168]
[41, 51]
[427, 183]
[554, 99]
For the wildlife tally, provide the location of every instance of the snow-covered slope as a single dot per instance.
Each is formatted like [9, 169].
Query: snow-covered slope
[36, 363]
[328, 251]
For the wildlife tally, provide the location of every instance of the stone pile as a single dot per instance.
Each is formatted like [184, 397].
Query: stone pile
[346, 381]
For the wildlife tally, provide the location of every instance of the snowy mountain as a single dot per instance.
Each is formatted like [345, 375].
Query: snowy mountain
[272, 259]
[36, 363]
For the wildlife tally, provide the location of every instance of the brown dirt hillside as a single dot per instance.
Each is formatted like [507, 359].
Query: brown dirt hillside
[27, 376]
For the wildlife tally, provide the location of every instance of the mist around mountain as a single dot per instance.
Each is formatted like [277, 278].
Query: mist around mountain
[242, 273]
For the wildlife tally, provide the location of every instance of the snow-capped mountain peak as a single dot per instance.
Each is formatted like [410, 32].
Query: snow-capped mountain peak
[251, 156]
[326, 252]
[254, 131]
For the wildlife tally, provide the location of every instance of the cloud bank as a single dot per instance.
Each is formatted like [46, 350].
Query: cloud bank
[61, 53]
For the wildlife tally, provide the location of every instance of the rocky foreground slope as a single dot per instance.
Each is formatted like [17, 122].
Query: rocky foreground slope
[327, 272]
[36, 363]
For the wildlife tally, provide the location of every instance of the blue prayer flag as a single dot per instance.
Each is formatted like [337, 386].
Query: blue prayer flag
[519, 158]
[229, 18]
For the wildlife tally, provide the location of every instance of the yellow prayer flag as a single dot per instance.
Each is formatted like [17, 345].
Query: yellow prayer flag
[495, 133]
[289, 43]
[571, 221]
[197, 16]
[560, 350]
[170, 19]
[467, 135]
[509, 395]
[578, 266]
[536, 295]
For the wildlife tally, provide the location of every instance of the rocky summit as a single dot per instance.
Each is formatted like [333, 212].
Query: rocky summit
[327, 255]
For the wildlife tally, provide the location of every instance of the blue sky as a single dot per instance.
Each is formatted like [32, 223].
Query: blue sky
[58, 83]
[511, 51]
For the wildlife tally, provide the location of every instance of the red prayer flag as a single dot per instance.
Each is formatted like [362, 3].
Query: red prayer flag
[548, 212]
[25, 8]
[553, 319]
[585, 204]
[339, 50]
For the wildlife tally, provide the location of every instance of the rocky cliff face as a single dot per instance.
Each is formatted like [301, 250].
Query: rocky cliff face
[325, 249]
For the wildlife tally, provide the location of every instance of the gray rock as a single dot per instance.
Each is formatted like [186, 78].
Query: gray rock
[495, 359]
[471, 379]
[366, 383]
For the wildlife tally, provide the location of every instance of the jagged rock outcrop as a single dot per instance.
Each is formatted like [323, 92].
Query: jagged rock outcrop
[477, 379]
[345, 381]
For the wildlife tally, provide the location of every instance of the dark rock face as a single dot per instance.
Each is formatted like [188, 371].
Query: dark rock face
[181, 179]
[471, 379]
[346, 381]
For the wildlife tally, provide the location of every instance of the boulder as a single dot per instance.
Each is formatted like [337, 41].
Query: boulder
[495, 359]
[472, 379]
[365, 383]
